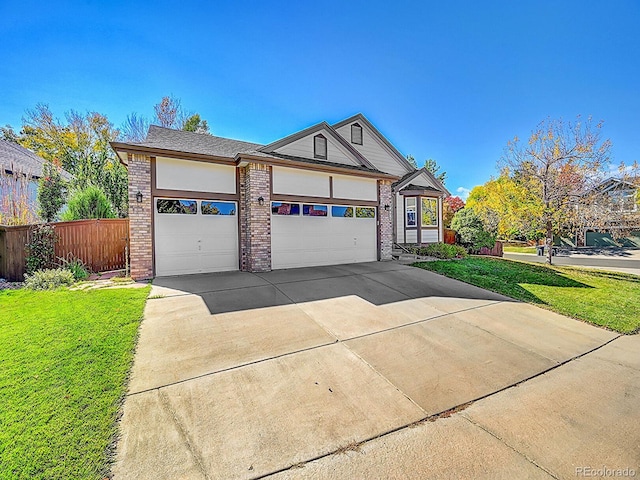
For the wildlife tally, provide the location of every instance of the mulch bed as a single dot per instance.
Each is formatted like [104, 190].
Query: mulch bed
[6, 285]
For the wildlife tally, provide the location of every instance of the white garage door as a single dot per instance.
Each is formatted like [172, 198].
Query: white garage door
[304, 235]
[195, 236]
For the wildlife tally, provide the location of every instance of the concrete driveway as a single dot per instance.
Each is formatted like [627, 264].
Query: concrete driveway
[373, 370]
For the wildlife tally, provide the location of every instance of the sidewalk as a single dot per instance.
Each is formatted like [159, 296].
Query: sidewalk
[623, 262]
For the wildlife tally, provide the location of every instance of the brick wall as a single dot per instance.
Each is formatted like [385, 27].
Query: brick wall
[140, 242]
[255, 219]
[385, 225]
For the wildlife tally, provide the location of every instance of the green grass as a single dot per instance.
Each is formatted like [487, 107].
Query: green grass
[519, 249]
[64, 359]
[603, 298]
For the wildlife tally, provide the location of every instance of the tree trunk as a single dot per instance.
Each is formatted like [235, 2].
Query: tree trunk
[549, 243]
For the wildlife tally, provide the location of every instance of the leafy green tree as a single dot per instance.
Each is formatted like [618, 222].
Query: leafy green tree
[411, 159]
[468, 225]
[8, 134]
[195, 124]
[51, 192]
[81, 144]
[90, 202]
[433, 167]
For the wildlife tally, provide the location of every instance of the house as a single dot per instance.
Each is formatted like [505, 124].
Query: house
[613, 206]
[20, 170]
[326, 195]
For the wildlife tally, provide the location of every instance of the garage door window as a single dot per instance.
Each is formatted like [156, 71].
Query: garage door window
[188, 207]
[278, 208]
[365, 212]
[314, 210]
[218, 208]
[337, 211]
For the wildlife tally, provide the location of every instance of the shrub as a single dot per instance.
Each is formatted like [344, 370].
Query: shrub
[75, 266]
[51, 192]
[90, 202]
[40, 250]
[49, 279]
[471, 230]
[442, 250]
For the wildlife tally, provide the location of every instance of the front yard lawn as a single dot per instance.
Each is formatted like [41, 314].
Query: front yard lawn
[64, 358]
[607, 299]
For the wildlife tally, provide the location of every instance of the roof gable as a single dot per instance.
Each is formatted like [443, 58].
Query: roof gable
[421, 178]
[300, 145]
[375, 147]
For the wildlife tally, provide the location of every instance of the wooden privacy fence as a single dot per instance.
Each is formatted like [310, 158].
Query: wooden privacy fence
[496, 251]
[449, 236]
[99, 243]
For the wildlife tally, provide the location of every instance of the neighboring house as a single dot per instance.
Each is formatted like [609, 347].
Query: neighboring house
[20, 170]
[614, 206]
[329, 194]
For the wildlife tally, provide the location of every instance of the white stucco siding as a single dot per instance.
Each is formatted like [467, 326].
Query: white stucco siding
[291, 181]
[375, 151]
[303, 147]
[355, 188]
[176, 174]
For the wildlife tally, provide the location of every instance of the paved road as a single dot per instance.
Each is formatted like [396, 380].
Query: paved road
[630, 264]
[290, 378]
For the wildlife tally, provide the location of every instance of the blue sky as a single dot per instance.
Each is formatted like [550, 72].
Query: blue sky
[452, 81]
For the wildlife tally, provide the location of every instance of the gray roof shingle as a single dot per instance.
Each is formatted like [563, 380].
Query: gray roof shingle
[16, 158]
[191, 142]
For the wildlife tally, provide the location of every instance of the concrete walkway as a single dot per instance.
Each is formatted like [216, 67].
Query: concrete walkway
[342, 387]
[623, 261]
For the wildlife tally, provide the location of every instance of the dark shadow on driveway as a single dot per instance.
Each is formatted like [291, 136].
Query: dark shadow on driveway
[376, 282]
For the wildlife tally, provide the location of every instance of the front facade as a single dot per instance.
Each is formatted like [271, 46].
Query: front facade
[323, 196]
[617, 216]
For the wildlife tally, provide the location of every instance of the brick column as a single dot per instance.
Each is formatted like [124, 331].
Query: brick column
[140, 218]
[255, 219]
[385, 220]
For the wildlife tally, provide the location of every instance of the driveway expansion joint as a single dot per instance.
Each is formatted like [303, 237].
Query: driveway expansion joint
[164, 402]
[511, 447]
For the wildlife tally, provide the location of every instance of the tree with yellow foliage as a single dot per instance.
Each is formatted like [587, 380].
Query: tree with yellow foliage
[560, 164]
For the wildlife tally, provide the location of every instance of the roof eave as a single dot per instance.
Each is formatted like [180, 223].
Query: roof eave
[126, 148]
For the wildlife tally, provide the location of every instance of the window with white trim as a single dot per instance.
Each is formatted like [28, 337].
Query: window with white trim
[429, 210]
[410, 211]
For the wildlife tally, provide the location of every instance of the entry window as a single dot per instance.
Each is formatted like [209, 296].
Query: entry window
[356, 134]
[314, 210]
[320, 147]
[337, 211]
[279, 208]
[365, 212]
[429, 212]
[217, 208]
[187, 207]
[410, 211]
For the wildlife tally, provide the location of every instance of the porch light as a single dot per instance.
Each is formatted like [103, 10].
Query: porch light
[139, 197]
[261, 201]
[387, 207]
